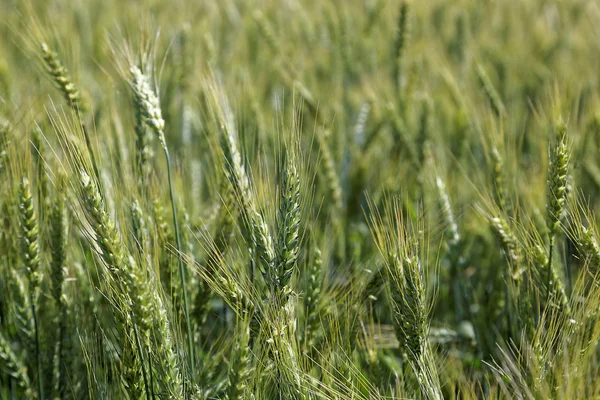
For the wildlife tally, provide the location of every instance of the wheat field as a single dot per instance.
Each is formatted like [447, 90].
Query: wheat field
[299, 199]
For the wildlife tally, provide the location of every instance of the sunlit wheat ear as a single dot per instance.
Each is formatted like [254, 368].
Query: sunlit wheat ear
[255, 229]
[148, 105]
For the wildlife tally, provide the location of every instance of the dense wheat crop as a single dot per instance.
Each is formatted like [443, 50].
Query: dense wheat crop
[299, 199]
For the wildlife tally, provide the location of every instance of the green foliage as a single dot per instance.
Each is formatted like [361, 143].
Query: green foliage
[380, 199]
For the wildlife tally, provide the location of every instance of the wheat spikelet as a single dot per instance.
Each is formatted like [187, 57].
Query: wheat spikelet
[288, 227]
[557, 180]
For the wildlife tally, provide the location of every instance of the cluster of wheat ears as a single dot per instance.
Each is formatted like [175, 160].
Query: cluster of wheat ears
[283, 199]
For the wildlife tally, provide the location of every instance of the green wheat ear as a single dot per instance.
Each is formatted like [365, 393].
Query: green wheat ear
[62, 79]
[555, 199]
[30, 253]
[30, 250]
[557, 180]
[147, 103]
[288, 227]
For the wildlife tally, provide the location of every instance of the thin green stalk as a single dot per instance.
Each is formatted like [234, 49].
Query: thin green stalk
[37, 347]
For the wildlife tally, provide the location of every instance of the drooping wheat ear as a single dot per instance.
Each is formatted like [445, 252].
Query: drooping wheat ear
[255, 229]
[71, 94]
[402, 36]
[13, 366]
[498, 180]
[288, 227]
[148, 104]
[62, 78]
[235, 171]
[107, 237]
[30, 253]
[510, 246]
[312, 299]
[490, 92]
[239, 368]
